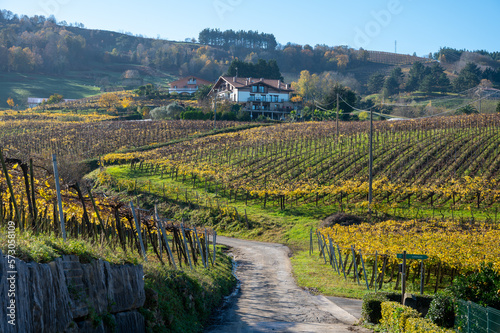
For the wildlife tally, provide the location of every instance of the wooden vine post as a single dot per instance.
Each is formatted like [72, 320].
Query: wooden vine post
[59, 199]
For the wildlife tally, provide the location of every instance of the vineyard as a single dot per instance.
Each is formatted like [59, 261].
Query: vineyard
[436, 166]
[91, 136]
[452, 249]
[29, 199]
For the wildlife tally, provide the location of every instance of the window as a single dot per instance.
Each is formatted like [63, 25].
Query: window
[254, 88]
[263, 97]
[262, 89]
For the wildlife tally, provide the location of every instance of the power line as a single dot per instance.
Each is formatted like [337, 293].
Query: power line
[369, 109]
[445, 98]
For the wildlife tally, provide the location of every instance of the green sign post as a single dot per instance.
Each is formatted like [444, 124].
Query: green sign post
[405, 256]
[413, 256]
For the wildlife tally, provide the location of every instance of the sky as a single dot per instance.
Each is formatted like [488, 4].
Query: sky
[404, 26]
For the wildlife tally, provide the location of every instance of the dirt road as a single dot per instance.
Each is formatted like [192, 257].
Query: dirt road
[269, 300]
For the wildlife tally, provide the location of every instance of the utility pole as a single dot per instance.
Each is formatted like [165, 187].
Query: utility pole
[337, 121]
[215, 109]
[370, 166]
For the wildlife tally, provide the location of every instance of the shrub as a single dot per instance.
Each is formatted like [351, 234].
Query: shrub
[395, 316]
[421, 325]
[371, 310]
[442, 311]
[480, 287]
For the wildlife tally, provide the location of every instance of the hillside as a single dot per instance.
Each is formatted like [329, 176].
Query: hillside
[89, 61]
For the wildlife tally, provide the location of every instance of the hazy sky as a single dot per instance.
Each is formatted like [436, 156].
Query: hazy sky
[420, 26]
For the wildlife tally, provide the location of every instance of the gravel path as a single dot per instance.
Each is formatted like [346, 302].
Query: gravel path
[268, 299]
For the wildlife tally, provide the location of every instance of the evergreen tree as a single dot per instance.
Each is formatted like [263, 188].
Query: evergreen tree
[376, 83]
[469, 77]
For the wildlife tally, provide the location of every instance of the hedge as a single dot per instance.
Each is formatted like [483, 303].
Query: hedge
[421, 325]
[395, 316]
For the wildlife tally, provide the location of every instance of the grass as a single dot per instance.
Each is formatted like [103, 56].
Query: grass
[176, 300]
[182, 301]
[42, 248]
[21, 86]
[313, 274]
[289, 226]
[73, 84]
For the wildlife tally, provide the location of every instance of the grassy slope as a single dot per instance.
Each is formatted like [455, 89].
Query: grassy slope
[21, 86]
[290, 227]
[176, 300]
[72, 85]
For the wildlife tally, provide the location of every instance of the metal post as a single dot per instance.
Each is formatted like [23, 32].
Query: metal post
[403, 278]
[59, 199]
[422, 277]
[215, 109]
[341, 262]
[356, 277]
[364, 271]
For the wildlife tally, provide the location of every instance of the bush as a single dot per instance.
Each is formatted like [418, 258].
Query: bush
[421, 325]
[480, 287]
[371, 310]
[159, 113]
[395, 316]
[442, 311]
[194, 115]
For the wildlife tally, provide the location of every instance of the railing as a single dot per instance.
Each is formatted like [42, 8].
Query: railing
[474, 318]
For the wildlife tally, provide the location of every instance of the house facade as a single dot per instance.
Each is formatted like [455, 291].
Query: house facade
[187, 85]
[258, 96]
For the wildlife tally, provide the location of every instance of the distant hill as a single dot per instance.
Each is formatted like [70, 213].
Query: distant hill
[101, 60]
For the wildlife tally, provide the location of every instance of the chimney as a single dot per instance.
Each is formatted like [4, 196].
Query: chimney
[286, 86]
[246, 82]
[234, 79]
[261, 79]
[279, 84]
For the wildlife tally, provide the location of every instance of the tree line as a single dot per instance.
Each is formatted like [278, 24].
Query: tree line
[431, 78]
[245, 39]
[262, 69]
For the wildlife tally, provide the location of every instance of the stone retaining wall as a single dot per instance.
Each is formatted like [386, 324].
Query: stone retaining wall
[68, 296]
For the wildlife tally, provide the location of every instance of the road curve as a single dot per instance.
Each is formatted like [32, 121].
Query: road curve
[270, 301]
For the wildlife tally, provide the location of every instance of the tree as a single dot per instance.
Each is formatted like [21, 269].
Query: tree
[171, 111]
[415, 76]
[11, 103]
[108, 101]
[469, 77]
[54, 99]
[346, 102]
[393, 83]
[391, 86]
[376, 83]
[202, 92]
[262, 69]
[468, 109]
[498, 107]
[307, 85]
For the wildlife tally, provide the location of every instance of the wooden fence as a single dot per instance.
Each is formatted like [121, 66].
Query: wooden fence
[98, 218]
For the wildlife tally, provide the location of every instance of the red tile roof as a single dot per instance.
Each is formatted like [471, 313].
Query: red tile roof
[240, 82]
[184, 82]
